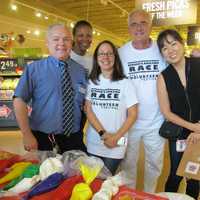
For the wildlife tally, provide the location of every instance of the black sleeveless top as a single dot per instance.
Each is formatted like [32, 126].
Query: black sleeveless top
[185, 102]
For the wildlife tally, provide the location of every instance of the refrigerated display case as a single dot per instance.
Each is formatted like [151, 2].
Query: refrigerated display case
[10, 71]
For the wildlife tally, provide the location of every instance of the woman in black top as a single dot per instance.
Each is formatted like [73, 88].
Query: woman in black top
[179, 98]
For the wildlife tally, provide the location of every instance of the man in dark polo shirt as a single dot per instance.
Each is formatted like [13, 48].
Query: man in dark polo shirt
[42, 84]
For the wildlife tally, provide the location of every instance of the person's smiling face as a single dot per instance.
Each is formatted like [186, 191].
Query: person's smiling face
[173, 50]
[105, 57]
[59, 42]
[83, 39]
[139, 27]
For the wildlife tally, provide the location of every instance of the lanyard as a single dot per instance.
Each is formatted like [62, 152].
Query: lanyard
[55, 146]
[52, 139]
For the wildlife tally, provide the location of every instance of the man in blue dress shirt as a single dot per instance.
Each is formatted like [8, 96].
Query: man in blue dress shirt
[40, 84]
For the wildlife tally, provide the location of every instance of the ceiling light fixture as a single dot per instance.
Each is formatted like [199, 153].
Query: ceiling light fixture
[38, 14]
[72, 25]
[13, 7]
[37, 32]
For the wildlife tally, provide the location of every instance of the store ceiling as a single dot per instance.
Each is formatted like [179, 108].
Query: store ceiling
[110, 19]
[107, 16]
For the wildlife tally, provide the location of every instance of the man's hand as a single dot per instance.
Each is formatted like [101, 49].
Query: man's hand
[30, 142]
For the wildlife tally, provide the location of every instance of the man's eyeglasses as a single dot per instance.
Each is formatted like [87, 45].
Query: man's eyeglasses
[109, 54]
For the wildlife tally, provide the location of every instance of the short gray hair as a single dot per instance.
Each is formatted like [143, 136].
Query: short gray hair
[139, 11]
[51, 27]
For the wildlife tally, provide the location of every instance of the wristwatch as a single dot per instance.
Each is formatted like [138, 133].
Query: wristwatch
[101, 132]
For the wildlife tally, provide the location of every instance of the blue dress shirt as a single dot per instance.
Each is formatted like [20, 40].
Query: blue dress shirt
[40, 84]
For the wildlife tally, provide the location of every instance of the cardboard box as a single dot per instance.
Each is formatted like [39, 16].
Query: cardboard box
[190, 163]
[128, 193]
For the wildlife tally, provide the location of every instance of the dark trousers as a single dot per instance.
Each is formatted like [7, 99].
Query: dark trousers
[173, 180]
[65, 143]
[83, 120]
[111, 163]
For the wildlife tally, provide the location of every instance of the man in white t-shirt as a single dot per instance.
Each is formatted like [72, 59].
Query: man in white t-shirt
[142, 63]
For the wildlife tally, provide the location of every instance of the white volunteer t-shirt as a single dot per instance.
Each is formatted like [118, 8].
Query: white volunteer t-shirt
[143, 67]
[85, 61]
[110, 101]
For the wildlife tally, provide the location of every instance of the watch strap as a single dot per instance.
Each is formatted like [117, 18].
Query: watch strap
[101, 132]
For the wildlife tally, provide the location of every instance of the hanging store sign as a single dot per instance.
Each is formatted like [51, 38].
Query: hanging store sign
[193, 35]
[170, 12]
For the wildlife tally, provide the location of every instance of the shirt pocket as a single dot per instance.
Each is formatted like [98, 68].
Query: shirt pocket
[46, 86]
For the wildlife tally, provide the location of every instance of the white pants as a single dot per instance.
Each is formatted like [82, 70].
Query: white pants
[154, 151]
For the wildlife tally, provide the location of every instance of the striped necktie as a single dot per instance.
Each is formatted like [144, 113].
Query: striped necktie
[67, 99]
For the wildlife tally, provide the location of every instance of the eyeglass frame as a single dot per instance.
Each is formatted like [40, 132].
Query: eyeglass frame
[141, 24]
[108, 54]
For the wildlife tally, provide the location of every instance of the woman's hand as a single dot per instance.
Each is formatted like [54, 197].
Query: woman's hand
[196, 127]
[110, 140]
[193, 138]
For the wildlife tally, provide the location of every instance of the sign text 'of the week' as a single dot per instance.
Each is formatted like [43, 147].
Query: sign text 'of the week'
[170, 12]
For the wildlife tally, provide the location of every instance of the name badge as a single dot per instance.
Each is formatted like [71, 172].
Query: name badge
[82, 90]
[180, 145]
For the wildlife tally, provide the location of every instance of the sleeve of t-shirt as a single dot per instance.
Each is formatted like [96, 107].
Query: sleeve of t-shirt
[88, 93]
[130, 94]
[24, 88]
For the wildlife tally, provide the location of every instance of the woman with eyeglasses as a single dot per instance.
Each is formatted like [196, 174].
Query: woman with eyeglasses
[111, 107]
[179, 98]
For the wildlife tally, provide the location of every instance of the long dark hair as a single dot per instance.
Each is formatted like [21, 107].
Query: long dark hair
[117, 74]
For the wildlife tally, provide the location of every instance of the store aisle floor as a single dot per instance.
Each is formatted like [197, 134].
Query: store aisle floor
[12, 141]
